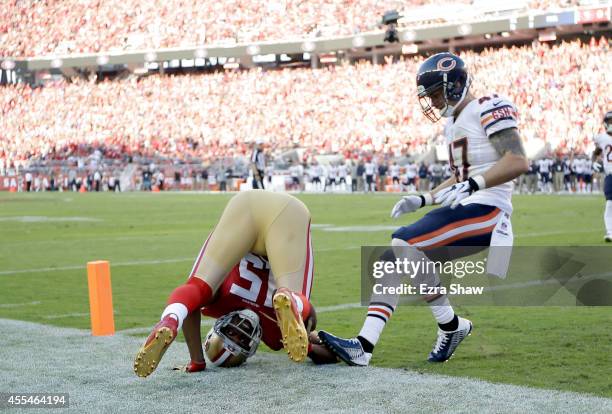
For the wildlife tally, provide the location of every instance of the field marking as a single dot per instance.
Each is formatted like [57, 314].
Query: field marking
[360, 229]
[77, 267]
[341, 306]
[47, 219]
[97, 373]
[71, 315]
[137, 263]
[19, 305]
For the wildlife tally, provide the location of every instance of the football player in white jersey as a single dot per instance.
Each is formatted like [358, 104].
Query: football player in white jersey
[394, 170]
[343, 172]
[412, 171]
[578, 167]
[544, 167]
[486, 154]
[603, 147]
[370, 175]
[332, 175]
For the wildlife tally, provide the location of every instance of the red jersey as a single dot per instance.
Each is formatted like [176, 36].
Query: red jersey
[250, 285]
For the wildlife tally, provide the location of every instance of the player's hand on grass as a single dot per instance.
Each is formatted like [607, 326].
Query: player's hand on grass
[193, 366]
[411, 203]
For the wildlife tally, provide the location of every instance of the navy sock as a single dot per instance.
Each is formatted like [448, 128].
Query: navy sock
[365, 344]
[450, 326]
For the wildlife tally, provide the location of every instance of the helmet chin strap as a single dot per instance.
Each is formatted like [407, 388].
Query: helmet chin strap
[449, 110]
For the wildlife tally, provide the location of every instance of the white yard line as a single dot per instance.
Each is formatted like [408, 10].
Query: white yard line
[135, 263]
[18, 305]
[82, 266]
[71, 315]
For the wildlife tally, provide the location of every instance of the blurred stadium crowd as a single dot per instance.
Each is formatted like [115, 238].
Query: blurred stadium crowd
[561, 92]
[578, 175]
[35, 28]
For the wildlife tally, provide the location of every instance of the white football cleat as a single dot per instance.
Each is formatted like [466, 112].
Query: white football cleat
[447, 342]
[348, 350]
[608, 238]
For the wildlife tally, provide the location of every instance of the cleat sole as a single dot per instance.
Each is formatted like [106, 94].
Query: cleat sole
[150, 354]
[292, 328]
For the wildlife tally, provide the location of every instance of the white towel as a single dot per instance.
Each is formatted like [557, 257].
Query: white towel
[500, 251]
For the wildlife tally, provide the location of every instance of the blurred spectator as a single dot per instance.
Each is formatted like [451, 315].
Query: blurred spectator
[78, 26]
[561, 91]
[382, 176]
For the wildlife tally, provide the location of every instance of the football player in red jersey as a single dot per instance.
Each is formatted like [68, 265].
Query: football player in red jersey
[242, 322]
[254, 224]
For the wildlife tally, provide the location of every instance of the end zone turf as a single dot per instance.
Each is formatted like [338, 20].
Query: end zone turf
[97, 373]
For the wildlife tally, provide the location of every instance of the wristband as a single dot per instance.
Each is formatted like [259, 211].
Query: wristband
[477, 183]
[426, 199]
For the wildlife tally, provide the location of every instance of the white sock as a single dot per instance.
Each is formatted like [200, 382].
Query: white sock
[378, 316]
[176, 310]
[608, 217]
[442, 309]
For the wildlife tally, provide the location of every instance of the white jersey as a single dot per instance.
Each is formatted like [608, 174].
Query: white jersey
[411, 171]
[588, 167]
[395, 170]
[545, 165]
[342, 171]
[317, 170]
[578, 166]
[470, 151]
[332, 172]
[370, 168]
[604, 141]
[296, 171]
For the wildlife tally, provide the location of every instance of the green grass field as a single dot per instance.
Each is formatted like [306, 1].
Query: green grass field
[46, 239]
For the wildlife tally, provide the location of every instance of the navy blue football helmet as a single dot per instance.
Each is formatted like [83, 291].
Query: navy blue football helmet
[442, 79]
[608, 121]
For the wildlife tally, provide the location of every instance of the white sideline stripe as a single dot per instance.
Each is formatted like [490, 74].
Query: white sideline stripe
[341, 306]
[553, 233]
[46, 219]
[76, 267]
[71, 315]
[96, 372]
[18, 305]
[135, 263]
[359, 229]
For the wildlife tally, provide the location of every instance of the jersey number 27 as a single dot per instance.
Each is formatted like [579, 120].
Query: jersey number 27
[458, 150]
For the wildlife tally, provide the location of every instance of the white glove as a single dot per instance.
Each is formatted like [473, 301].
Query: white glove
[411, 203]
[455, 193]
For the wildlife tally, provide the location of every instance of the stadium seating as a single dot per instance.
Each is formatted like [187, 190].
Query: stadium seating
[34, 28]
[351, 110]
